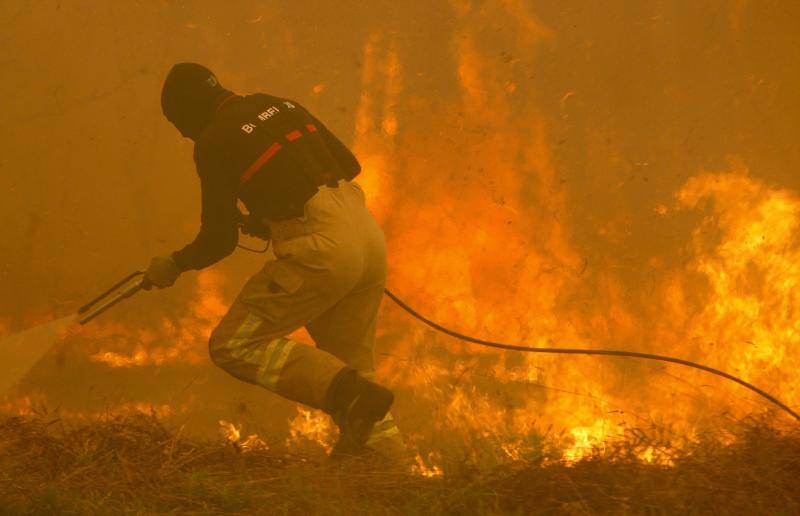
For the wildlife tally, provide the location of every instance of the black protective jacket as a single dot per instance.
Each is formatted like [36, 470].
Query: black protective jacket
[267, 151]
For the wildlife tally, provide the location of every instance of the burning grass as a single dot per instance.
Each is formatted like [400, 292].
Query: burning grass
[134, 464]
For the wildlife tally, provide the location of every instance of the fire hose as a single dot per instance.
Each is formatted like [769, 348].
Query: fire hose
[135, 282]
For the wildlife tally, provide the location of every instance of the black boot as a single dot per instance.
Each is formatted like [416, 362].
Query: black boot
[355, 404]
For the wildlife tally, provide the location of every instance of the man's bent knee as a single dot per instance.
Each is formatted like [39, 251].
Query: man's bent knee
[227, 341]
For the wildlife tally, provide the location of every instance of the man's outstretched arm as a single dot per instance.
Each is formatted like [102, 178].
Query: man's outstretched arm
[218, 235]
[219, 230]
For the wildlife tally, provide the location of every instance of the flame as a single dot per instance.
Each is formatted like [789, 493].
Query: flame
[426, 468]
[497, 261]
[230, 431]
[653, 455]
[586, 439]
[233, 434]
[181, 340]
[502, 276]
[312, 426]
[377, 123]
[747, 253]
[36, 403]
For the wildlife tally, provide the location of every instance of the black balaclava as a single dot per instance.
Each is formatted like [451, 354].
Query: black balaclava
[189, 95]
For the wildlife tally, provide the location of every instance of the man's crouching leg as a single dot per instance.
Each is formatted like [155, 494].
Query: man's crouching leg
[245, 346]
[304, 374]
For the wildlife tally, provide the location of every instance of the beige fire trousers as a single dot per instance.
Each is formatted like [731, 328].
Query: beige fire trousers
[329, 276]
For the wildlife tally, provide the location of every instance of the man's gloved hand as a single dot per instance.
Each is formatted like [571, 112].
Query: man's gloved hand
[253, 227]
[162, 273]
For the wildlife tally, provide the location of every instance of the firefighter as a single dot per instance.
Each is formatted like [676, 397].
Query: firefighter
[295, 179]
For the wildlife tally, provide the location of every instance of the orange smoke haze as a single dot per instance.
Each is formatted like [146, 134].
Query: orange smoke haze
[546, 174]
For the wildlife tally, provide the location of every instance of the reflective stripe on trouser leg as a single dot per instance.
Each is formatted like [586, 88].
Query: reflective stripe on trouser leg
[296, 371]
[275, 355]
[269, 358]
[384, 430]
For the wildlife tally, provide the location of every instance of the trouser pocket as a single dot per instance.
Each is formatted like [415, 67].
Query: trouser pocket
[270, 294]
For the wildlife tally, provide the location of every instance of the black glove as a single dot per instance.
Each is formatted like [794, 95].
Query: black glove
[253, 226]
[162, 273]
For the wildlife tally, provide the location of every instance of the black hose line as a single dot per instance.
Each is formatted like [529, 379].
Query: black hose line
[577, 351]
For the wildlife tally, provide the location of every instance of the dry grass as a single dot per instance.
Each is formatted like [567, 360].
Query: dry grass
[133, 465]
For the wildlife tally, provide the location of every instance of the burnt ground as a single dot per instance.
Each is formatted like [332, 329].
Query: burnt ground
[134, 465]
